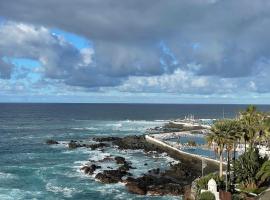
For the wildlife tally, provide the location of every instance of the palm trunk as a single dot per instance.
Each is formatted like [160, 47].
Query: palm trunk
[228, 162]
[220, 165]
[234, 158]
[251, 144]
[228, 174]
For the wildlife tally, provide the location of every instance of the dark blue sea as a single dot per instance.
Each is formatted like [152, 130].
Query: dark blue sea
[30, 169]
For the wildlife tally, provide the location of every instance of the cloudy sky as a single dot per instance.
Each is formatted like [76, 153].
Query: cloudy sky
[154, 51]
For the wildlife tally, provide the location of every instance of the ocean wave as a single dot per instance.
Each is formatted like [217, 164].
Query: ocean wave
[4, 175]
[161, 120]
[94, 156]
[81, 150]
[131, 125]
[142, 121]
[67, 192]
[114, 125]
[167, 158]
[110, 188]
[60, 145]
[12, 193]
[139, 122]
[129, 151]
[85, 128]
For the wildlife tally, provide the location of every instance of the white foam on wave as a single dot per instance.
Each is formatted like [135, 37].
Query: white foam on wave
[133, 125]
[162, 120]
[14, 193]
[60, 145]
[110, 188]
[5, 196]
[167, 158]
[98, 155]
[138, 121]
[85, 128]
[114, 126]
[129, 151]
[4, 175]
[94, 156]
[81, 150]
[81, 162]
[67, 192]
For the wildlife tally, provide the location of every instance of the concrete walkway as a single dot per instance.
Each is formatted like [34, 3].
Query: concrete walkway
[265, 195]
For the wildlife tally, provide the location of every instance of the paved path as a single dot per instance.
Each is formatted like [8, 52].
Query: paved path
[265, 195]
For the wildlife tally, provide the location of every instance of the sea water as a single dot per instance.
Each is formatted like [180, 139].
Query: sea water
[30, 169]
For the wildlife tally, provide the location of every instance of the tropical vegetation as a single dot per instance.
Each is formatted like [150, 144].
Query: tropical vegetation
[263, 174]
[207, 196]
[202, 183]
[250, 129]
[247, 166]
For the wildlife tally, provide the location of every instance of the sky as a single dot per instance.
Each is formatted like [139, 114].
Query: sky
[126, 51]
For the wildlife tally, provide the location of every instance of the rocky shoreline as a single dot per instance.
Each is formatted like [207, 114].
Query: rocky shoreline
[171, 181]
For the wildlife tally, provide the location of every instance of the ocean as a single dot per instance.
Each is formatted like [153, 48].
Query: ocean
[30, 169]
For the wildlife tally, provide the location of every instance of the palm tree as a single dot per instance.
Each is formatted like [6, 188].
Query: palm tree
[233, 134]
[252, 123]
[265, 134]
[247, 167]
[264, 173]
[217, 137]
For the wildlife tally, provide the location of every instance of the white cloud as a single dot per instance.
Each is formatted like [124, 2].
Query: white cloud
[252, 85]
[65, 69]
[179, 82]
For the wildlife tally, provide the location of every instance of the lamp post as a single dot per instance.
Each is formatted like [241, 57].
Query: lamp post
[203, 165]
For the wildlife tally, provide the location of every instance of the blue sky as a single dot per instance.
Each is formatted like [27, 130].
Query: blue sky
[135, 53]
[78, 41]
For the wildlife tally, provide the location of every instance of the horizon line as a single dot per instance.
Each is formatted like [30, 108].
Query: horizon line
[259, 104]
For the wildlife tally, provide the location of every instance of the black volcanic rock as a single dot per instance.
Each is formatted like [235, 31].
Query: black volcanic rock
[97, 146]
[154, 171]
[171, 181]
[134, 187]
[90, 169]
[165, 189]
[168, 182]
[50, 142]
[107, 159]
[111, 176]
[130, 142]
[135, 142]
[120, 160]
[74, 144]
[153, 185]
[124, 167]
[106, 139]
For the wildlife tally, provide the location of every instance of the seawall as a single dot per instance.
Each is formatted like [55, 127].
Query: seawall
[212, 165]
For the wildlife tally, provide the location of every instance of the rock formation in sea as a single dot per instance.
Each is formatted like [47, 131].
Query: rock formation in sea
[170, 181]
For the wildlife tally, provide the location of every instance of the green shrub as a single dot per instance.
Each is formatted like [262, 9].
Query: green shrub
[239, 196]
[207, 196]
[264, 173]
[235, 197]
[202, 183]
[247, 166]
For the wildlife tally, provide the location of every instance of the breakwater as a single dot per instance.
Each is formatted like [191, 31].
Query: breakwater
[212, 164]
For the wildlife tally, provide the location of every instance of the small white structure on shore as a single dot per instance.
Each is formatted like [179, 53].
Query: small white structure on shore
[212, 187]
